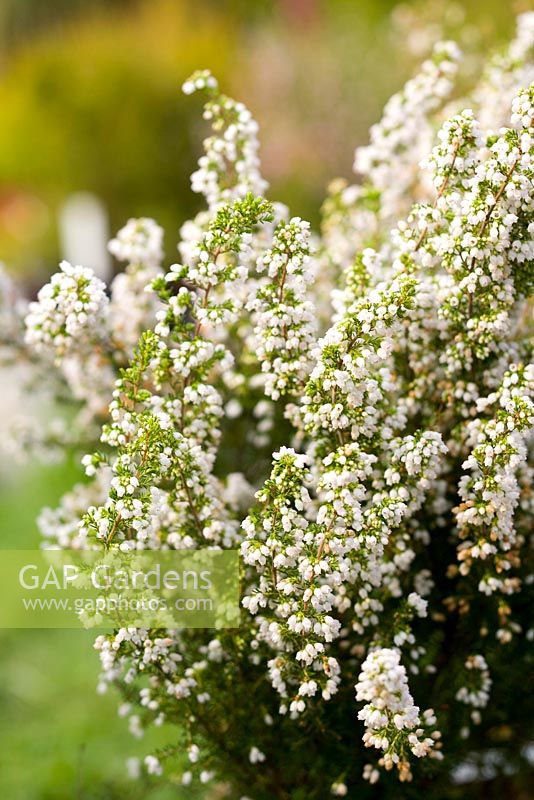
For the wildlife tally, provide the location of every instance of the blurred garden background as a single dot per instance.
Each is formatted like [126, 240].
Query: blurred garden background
[94, 130]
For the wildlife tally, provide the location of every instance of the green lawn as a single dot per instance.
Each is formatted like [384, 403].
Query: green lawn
[59, 739]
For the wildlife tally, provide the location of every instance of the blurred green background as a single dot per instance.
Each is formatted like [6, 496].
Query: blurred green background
[90, 102]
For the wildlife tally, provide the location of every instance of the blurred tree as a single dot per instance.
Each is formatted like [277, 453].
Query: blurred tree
[98, 107]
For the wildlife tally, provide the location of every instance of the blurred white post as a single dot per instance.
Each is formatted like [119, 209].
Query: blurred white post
[84, 233]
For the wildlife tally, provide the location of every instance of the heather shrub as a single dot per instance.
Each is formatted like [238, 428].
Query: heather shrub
[351, 410]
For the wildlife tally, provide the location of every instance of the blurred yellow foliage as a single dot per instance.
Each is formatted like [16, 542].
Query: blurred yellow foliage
[97, 106]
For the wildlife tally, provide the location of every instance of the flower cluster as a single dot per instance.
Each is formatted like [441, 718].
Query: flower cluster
[359, 216]
[162, 438]
[398, 142]
[495, 215]
[394, 723]
[229, 167]
[72, 307]
[311, 570]
[133, 307]
[505, 75]
[283, 317]
[476, 693]
[139, 242]
[491, 492]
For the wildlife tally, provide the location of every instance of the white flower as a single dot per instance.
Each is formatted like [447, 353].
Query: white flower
[339, 789]
[69, 312]
[139, 242]
[383, 683]
[255, 756]
[153, 765]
